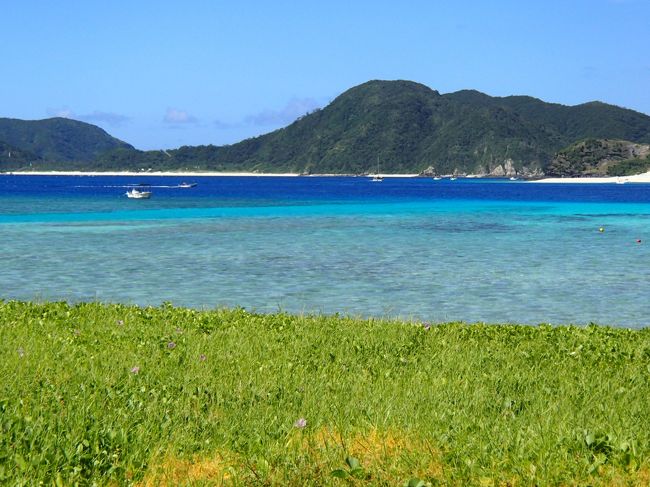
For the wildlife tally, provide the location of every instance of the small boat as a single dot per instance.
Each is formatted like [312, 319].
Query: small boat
[377, 178]
[513, 178]
[437, 178]
[453, 178]
[138, 194]
[187, 185]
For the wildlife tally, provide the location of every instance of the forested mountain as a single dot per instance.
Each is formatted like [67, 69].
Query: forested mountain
[387, 126]
[58, 140]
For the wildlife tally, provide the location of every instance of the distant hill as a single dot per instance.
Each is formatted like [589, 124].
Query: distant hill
[601, 157]
[402, 126]
[397, 127]
[58, 140]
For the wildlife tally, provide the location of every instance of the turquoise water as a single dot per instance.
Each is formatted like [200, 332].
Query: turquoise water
[488, 251]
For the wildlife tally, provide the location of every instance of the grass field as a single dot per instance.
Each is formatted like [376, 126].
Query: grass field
[118, 395]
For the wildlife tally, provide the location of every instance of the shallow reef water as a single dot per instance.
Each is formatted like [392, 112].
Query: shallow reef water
[473, 250]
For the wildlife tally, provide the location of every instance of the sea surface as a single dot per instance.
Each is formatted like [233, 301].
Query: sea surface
[495, 251]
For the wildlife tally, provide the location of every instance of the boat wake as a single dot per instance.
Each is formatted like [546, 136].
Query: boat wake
[171, 186]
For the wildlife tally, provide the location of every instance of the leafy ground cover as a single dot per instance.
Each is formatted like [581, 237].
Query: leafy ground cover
[119, 395]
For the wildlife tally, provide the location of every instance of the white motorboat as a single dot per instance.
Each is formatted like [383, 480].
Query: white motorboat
[187, 185]
[138, 194]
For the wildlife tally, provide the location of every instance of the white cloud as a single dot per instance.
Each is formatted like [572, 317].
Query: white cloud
[114, 119]
[220, 124]
[296, 107]
[178, 117]
[97, 116]
[64, 112]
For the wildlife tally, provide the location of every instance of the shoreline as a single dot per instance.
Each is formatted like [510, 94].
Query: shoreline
[637, 178]
[150, 173]
[189, 174]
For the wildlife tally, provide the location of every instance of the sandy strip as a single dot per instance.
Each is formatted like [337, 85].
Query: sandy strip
[393, 175]
[186, 174]
[149, 173]
[637, 178]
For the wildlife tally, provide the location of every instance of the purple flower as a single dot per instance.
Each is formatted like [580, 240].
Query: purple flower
[426, 325]
[135, 370]
[300, 423]
[171, 345]
[202, 357]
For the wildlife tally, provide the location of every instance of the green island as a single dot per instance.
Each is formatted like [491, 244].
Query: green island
[109, 394]
[393, 126]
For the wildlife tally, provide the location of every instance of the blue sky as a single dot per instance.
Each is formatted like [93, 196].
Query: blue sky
[160, 74]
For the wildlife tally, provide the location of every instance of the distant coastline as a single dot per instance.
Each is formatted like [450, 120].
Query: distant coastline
[414, 131]
[637, 178]
[189, 174]
[143, 173]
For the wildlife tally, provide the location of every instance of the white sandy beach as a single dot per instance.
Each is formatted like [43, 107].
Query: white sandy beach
[187, 174]
[144, 173]
[637, 178]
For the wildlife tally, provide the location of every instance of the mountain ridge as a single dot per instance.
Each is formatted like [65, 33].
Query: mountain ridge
[397, 126]
[58, 139]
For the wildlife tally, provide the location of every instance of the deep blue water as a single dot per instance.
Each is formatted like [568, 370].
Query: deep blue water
[473, 250]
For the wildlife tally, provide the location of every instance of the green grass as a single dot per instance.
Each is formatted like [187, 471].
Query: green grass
[217, 395]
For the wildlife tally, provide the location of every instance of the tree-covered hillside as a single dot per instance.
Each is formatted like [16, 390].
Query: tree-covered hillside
[13, 158]
[58, 140]
[601, 157]
[386, 126]
[402, 126]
